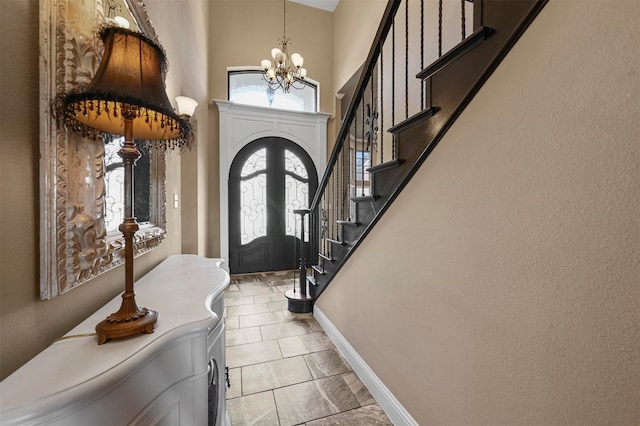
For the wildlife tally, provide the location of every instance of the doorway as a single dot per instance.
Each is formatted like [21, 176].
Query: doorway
[269, 178]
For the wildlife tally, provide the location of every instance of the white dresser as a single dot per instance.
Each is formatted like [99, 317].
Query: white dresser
[175, 376]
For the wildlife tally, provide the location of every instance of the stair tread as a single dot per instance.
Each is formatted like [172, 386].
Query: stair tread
[319, 269]
[425, 114]
[337, 242]
[364, 198]
[456, 52]
[311, 280]
[385, 166]
[325, 257]
[348, 223]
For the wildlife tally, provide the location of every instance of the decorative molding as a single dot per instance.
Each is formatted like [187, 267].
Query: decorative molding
[391, 406]
[74, 244]
[241, 124]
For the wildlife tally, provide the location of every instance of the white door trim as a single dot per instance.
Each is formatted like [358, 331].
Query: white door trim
[242, 124]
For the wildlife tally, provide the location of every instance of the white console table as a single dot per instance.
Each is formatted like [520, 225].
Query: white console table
[159, 378]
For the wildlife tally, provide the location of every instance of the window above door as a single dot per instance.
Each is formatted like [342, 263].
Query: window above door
[246, 85]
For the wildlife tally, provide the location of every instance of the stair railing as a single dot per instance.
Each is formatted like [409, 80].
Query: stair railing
[401, 109]
[387, 93]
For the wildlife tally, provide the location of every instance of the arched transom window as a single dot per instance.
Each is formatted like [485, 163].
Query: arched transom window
[247, 86]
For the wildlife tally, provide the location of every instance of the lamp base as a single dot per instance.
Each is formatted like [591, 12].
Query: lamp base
[108, 329]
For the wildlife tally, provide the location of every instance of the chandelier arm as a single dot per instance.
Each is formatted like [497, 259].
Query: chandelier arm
[284, 73]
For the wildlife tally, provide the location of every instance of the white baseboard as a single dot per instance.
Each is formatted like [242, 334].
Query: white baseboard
[391, 406]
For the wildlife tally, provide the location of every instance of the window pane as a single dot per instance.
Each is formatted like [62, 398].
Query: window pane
[296, 197]
[255, 163]
[249, 87]
[293, 164]
[296, 193]
[253, 211]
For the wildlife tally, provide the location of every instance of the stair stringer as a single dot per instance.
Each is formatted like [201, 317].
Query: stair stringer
[453, 87]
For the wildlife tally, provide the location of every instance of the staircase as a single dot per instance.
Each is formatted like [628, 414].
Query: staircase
[398, 113]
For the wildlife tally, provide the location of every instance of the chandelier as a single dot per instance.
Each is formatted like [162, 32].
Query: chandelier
[286, 72]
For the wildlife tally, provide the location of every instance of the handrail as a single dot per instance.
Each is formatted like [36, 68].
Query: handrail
[385, 24]
[343, 211]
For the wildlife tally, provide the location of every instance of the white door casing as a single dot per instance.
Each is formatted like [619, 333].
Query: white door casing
[242, 124]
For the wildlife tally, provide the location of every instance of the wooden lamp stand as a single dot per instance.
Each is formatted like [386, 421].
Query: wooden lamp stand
[130, 319]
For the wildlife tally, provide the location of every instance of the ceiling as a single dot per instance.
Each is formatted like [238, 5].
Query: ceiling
[329, 5]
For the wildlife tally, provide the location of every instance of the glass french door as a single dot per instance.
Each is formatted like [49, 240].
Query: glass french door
[268, 180]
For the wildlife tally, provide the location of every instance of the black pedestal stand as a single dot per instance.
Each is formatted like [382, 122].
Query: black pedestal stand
[299, 301]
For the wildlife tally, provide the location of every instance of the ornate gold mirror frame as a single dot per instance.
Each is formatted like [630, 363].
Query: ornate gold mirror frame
[75, 245]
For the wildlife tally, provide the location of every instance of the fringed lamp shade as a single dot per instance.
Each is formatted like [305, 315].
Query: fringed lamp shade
[126, 97]
[129, 80]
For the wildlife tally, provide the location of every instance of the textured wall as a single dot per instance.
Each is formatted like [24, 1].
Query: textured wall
[28, 325]
[355, 26]
[189, 76]
[502, 285]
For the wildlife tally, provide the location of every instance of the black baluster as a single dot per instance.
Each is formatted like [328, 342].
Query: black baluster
[362, 145]
[422, 87]
[463, 19]
[439, 28]
[406, 59]
[341, 163]
[393, 87]
[382, 102]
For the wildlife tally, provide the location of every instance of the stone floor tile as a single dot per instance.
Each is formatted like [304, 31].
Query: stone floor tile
[296, 352]
[280, 305]
[292, 346]
[358, 388]
[256, 410]
[241, 336]
[292, 316]
[282, 288]
[235, 379]
[232, 323]
[317, 341]
[235, 301]
[285, 329]
[274, 374]
[313, 400]
[326, 363]
[259, 308]
[370, 416]
[231, 294]
[261, 319]
[254, 290]
[313, 324]
[270, 297]
[253, 353]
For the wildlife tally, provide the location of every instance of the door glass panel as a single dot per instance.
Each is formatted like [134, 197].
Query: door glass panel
[253, 197]
[296, 193]
[255, 163]
[293, 164]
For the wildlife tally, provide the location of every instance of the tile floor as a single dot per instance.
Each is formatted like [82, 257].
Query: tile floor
[283, 368]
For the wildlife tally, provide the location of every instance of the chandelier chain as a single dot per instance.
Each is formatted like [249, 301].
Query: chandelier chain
[285, 70]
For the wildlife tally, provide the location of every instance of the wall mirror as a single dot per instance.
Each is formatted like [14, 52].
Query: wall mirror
[80, 178]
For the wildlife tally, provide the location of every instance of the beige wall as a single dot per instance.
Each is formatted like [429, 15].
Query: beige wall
[182, 26]
[243, 32]
[355, 26]
[28, 325]
[502, 285]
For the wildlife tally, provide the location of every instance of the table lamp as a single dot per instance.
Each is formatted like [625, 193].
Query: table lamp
[126, 97]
